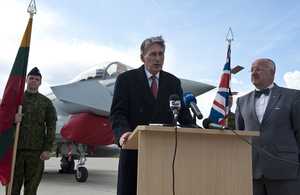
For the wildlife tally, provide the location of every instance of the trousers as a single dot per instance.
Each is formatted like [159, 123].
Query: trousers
[28, 170]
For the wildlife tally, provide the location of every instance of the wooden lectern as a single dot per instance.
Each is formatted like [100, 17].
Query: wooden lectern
[208, 161]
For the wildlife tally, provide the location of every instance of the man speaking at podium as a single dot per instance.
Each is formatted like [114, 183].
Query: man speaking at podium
[141, 96]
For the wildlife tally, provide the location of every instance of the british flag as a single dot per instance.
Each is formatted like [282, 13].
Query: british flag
[220, 108]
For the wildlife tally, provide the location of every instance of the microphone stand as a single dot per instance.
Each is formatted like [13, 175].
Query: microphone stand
[194, 119]
[194, 124]
[175, 150]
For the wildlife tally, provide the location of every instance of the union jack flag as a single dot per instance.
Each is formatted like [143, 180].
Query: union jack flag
[220, 108]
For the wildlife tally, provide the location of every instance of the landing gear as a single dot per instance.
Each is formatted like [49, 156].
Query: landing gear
[66, 166]
[81, 174]
[68, 151]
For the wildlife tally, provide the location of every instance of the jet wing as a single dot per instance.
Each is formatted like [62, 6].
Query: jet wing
[194, 87]
[84, 97]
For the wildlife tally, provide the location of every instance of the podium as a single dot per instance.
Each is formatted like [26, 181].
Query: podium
[208, 161]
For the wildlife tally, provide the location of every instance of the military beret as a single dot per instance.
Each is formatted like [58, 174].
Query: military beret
[35, 72]
[230, 93]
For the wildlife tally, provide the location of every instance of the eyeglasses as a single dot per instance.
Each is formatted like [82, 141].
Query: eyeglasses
[258, 70]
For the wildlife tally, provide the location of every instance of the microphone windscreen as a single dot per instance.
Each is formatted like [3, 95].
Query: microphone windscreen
[174, 97]
[206, 123]
[187, 98]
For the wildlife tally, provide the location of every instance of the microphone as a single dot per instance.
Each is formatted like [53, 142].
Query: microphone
[210, 124]
[191, 102]
[175, 105]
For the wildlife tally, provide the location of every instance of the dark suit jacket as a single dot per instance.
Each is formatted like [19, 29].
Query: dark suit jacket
[134, 104]
[279, 132]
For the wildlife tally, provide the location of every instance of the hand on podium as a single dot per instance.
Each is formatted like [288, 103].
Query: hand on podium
[124, 138]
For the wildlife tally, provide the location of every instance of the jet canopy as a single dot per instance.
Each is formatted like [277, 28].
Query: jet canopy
[102, 71]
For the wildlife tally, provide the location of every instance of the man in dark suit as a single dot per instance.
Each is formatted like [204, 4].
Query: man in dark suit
[273, 111]
[135, 104]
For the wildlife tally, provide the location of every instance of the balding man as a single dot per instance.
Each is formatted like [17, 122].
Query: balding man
[273, 111]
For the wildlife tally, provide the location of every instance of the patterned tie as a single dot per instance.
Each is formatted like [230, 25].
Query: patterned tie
[259, 93]
[154, 86]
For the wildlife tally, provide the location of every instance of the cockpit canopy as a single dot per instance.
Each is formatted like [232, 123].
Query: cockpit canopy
[102, 71]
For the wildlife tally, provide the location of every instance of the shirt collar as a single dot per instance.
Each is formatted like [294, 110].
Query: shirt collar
[270, 87]
[148, 74]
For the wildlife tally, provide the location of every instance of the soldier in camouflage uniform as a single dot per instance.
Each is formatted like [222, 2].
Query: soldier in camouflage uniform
[37, 133]
[231, 115]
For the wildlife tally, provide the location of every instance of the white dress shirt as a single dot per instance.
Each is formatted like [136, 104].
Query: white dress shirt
[261, 103]
[148, 74]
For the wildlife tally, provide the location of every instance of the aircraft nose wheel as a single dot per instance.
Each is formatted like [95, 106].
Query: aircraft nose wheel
[82, 174]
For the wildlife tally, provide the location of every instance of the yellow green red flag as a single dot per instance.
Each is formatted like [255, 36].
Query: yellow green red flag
[12, 97]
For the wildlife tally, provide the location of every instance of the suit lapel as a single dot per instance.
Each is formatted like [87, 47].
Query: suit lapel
[252, 103]
[142, 85]
[274, 97]
[162, 96]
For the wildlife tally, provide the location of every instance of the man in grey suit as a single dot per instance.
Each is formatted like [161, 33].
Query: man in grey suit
[275, 112]
[134, 103]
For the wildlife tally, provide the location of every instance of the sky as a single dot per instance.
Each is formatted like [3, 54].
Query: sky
[68, 37]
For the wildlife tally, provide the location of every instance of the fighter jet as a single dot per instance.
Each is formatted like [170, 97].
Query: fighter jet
[83, 128]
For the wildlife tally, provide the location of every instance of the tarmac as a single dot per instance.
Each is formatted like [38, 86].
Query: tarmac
[102, 178]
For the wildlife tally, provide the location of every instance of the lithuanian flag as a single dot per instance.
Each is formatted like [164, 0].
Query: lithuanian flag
[12, 97]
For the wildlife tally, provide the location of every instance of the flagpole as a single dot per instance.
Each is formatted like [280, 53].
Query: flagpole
[14, 153]
[229, 39]
[31, 10]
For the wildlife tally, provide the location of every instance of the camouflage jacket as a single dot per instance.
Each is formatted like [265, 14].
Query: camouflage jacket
[231, 120]
[37, 129]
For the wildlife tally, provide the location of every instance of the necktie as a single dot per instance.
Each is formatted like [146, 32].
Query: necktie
[154, 86]
[259, 93]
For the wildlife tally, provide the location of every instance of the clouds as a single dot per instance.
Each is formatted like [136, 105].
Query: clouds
[292, 79]
[233, 80]
[62, 61]
[68, 37]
